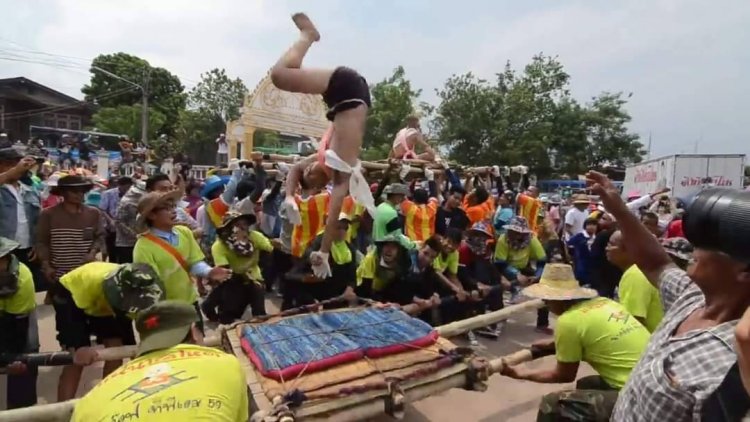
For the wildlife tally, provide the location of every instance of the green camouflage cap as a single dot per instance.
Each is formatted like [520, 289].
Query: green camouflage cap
[164, 325]
[133, 287]
[7, 246]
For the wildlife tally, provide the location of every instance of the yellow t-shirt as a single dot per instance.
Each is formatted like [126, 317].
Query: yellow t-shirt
[519, 259]
[23, 301]
[182, 383]
[449, 263]
[602, 333]
[85, 285]
[223, 256]
[177, 280]
[640, 297]
[368, 269]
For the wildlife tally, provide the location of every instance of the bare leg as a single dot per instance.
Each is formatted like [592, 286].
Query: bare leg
[67, 386]
[287, 74]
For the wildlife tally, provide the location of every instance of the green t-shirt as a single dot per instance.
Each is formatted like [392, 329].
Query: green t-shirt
[602, 333]
[23, 301]
[640, 297]
[520, 258]
[449, 263]
[177, 280]
[384, 214]
[223, 256]
[381, 277]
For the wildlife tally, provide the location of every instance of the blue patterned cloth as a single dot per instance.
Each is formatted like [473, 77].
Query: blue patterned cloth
[313, 337]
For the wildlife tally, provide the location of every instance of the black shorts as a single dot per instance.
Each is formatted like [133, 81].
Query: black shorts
[347, 89]
[75, 328]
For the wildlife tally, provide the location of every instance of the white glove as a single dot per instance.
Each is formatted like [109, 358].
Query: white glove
[496, 171]
[322, 269]
[292, 211]
[234, 164]
[520, 169]
[405, 169]
[283, 168]
[505, 170]
[442, 163]
[429, 174]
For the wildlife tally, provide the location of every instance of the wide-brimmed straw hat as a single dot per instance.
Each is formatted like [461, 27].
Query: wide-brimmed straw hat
[71, 181]
[151, 201]
[518, 224]
[580, 199]
[558, 283]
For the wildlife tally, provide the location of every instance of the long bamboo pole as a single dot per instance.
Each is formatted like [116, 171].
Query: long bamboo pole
[479, 321]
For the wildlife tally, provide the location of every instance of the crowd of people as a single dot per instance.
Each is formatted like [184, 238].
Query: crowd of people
[177, 254]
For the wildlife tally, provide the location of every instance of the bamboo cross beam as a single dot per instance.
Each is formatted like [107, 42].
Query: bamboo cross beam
[479, 321]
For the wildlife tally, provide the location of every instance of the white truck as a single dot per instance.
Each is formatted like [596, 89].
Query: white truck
[684, 174]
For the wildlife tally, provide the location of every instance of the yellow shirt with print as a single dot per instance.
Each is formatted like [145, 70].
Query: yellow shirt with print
[519, 259]
[640, 297]
[85, 286]
[602, 333]
[449, 263]
[223, 256]
[182, 383]
[368, 269]
[177, 281]
[23, 301]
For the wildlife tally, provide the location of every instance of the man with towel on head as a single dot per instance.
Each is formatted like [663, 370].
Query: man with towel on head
[591, 329]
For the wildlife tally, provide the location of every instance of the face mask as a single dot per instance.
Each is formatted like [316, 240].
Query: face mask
[520, 242]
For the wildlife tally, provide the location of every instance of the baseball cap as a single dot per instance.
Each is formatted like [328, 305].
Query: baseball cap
[164, 325]
[132, 288]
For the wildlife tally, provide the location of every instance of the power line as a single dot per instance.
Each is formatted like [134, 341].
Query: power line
[35, 112]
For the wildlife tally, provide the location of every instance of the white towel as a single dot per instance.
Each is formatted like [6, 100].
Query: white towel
[358, 187]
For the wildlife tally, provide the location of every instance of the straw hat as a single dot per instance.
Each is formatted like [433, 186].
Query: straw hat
[580, 199]
[151, 201]
[558, 283]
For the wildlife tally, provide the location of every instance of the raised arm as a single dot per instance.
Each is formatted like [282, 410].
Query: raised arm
[649, 255]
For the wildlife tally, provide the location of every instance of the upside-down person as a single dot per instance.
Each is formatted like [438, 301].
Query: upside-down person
[477, 272]
[100, 298]
[520, 257]
[591, 329]
[173, 377]
[307, 288]
[347, 96]
[170, 249]
[238, 249]
[406, 142]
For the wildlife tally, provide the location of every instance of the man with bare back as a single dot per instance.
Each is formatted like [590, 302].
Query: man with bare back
[406, 142]
[347, 96]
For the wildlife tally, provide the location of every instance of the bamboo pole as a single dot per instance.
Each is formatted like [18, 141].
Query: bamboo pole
[465, 325]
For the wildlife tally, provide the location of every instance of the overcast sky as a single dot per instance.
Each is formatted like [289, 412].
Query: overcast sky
[681, 59]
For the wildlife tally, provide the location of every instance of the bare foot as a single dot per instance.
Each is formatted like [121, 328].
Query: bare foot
[305, 25]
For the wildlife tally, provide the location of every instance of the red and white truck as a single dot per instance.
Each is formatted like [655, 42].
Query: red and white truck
[684, 174]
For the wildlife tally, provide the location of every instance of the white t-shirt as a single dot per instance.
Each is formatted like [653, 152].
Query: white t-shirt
[222, 143]
[22, 229]
[575, 218]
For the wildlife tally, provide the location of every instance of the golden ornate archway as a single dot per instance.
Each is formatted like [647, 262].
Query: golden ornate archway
[269, 108]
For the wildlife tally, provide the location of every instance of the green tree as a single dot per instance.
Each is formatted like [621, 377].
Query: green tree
[218, 95]
[126, 120]
[609, 139]
[197, 134]
[165, 91]
[393, 99]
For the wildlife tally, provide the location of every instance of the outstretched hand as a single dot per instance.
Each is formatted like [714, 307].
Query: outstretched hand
[601, 185]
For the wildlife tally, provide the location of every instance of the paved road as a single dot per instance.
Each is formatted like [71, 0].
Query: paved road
[505, 400]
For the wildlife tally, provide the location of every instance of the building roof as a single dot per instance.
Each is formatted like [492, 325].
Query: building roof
[45, 94]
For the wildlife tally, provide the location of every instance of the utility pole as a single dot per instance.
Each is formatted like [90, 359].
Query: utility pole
[144, 107]
[649, 145]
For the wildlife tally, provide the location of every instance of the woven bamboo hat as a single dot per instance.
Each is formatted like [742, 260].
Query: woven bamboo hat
[558, 283]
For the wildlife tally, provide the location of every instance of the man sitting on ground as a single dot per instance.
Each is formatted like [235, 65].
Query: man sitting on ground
[589, 329]
[173, 374]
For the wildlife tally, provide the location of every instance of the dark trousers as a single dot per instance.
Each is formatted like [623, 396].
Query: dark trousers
[123, 254]
[20, 335]
[110, 243]
[40, 282]
[227, 301]
[592, 400]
